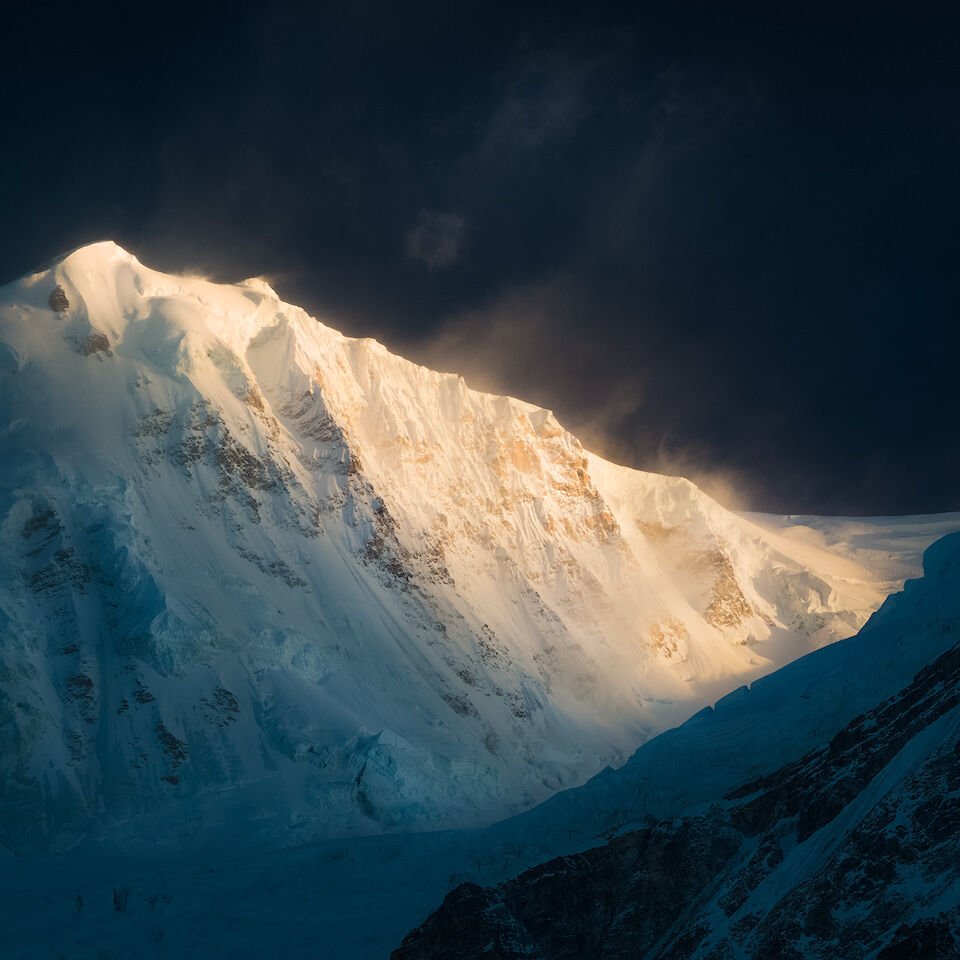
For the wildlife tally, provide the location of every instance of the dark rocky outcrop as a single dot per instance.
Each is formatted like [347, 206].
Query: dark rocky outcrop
[96, 343]
[58, 300]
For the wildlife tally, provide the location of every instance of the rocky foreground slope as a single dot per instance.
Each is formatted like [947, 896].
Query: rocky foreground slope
[253, 571]
[851, 850]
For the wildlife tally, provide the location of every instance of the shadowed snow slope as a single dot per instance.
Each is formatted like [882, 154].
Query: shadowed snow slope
[255, 571]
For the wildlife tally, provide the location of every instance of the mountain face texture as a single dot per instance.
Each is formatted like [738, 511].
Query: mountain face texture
[852, 850]
[254, 571]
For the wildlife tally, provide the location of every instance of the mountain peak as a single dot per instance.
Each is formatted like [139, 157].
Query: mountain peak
[259, 285]
[100, 248]
[97, 251]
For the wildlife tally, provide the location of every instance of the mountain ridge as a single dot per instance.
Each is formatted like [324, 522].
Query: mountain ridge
[242, 549]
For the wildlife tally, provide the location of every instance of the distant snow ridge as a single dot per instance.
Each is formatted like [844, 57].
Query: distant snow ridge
[248, 564]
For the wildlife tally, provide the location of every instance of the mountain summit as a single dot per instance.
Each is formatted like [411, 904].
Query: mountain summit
[252, 565]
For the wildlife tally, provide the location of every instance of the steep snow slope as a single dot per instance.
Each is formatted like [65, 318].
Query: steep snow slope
[753, 730]
[849, 850]
[255, 571]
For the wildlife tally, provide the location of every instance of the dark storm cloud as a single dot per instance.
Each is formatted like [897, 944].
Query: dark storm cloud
[543, 96]
[714, 244]
[683, 111]
[437, 239]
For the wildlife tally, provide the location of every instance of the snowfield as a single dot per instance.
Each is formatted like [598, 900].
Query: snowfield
[257, 573]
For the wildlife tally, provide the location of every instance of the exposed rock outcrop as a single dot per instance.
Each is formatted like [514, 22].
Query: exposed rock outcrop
[58, 299]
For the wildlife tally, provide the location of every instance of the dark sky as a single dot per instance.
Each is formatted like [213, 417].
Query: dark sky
[720, 241]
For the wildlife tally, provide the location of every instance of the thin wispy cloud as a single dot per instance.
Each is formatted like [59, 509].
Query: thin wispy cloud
[544, 101]
[437, 239]
[683, 111]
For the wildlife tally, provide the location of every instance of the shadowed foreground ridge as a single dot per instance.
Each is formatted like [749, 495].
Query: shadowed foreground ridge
[853, 850]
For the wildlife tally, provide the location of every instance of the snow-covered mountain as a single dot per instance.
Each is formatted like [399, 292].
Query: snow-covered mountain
[842, 763]
[248, 564]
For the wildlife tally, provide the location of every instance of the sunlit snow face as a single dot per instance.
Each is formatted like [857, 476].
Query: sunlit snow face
[263, 553]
